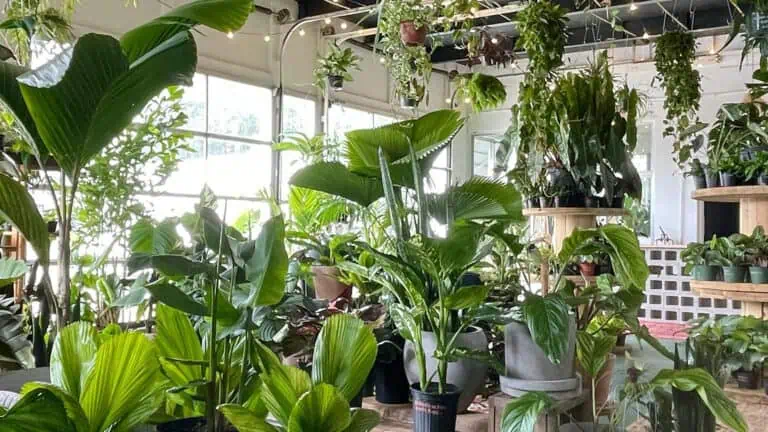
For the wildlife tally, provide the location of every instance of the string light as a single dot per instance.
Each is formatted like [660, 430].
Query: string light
[632, 7]
[382, 60]
[302, 32]
[448, 101]
[343, 26]
[327, 20]
[230, 35]
[494, 41]
[646, 36]
[267, 38]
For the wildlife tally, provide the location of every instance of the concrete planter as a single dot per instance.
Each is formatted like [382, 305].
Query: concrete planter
[467, 375]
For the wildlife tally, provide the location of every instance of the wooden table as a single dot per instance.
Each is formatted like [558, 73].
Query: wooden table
[549, 422]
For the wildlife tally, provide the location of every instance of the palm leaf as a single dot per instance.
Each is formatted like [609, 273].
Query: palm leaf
[122, 389]
[281, 389]
[335, 179]
[321, 409]
[477, 198]
[176, 338]
[72, 357]
[71, 404]
[245, 420]
[18, 208]
[222, 15]
[363, 420]
[345, 351]
[38, 411]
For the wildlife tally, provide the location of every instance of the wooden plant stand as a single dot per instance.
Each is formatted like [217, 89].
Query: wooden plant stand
[549, 422]
[753, 212]
[567, 220]
[16, 249]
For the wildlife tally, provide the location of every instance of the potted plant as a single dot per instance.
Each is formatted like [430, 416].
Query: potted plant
[697, 171]
[485, 92]
[391, 383]
[588, 265]
[731, 252]
[700, 261]
[344, 355]
[729, 168]
[757, 252]
[334, 68]
[323, 252]
[746, 356]
[757, 168]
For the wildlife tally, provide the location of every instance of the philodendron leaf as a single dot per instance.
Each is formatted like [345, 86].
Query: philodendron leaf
[245, 420]
[266, 269]
[547, 320]
[169, 265]
[38, 411]
[345, 351]
[11, 270]
[148, 238]
[467, 297]
[321, 409]
[19, 209]
[522, 413]
[174, 297]
[72, 358]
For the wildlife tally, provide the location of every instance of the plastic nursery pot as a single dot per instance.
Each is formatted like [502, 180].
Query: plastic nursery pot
[591, 202]
[704, 273]
[412, 35]
[734, 274]
[533, 203]
[433, 412]
[712, 178]
[618, 202]
[699, 182]
[747, 379]
[588, 269]
[545, 202]
[336, 82]
[408, 102]
[758, 275]
[576, 200]
[762, 179]
[621, 340]
[751, 153]
[392, 385]
[727, 179]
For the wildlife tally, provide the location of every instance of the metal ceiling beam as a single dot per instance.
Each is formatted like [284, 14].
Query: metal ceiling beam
[671, 15]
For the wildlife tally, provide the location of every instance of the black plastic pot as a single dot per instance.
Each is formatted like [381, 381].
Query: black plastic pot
[576, 200]
[194, 424]
[699, 182]
[751, 153]
[408, 102]
[545, 202]
[52, 226]
[762, 179]
[618, 202]
[370, 385]
[433, 412]
[747, 379]
[560, 201]
[712, 178]
[728, 179]
[591, 202]
[336, 82]
[392, 385]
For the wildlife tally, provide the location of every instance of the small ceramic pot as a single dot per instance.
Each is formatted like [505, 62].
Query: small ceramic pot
[412, 35]
[758, 275]
[588, 269]
[734, 274]
[704, 273]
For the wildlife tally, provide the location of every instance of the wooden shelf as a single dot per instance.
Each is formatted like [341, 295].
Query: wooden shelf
[574, 211]
[731, 194]
[580, 280]
[733, 291]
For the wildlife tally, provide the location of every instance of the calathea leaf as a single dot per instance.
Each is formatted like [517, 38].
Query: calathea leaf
[547, 320]
[521, 414]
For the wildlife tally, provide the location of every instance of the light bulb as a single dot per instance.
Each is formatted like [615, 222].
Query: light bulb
[382, 60]
[494, 41]
[327, 20]
[712, 51]
[467, 100]
[646, 36]
[302, 32]
[473, 10]
[448, 101]
[267, 38]
[633, 7]
[343, 26]
[230, 35]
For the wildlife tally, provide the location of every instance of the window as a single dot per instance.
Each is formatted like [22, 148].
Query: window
[484, 154]
[298, 118]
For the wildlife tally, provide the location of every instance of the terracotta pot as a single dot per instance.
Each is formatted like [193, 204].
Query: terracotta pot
[327, 285]
[412, 36]
[603, 385]
[587, 269]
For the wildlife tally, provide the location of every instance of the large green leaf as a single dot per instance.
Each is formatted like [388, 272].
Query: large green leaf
[245, 420]
[477, 198]
[88, 94]
[71, 404]
[146, 237]
[73, 355]
[174, 297]
[222, 15]
[627, 259]
[281, 389]
[14, 339]
[169, 265]
[592, 351]
[266, 269]
[18, 208]
[335, 179]
[123, 387]
[522, 413]
[345, 351]
[363, 420]
[176, 338]
[322, 409]
[13, 102]
[709, 391]
[547, 319]
[38, 411]
[467, 297]
[11, 270]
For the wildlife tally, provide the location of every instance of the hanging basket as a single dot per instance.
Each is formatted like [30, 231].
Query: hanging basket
[411, 35]
[336, 82]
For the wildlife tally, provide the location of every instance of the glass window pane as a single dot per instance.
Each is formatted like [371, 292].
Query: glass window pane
[481, 157]
[194, 104]
[239, 109]
[298, 116]
[290, 162]
[241, 212]
[442, 159]
[344, 119]
[382, 120]
[238, 169]
[190, 175]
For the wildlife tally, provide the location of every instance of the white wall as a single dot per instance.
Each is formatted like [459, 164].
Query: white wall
[671, 205]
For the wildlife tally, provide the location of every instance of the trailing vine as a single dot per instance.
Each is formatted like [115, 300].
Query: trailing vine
[675, 57]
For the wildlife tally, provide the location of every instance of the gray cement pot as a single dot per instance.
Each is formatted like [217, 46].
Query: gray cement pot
[468, 375]
[524, 359]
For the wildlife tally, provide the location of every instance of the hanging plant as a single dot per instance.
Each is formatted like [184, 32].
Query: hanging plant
[675, 57]
[334, 67]
[484, 92]
[543, 36]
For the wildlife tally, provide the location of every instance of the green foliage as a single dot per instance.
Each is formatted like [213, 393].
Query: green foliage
[675, 64]
[737, 126]
[485, 92]
[729, 251]
[638, 217]
[522, 413]
[337, 62]
[25, 18]
[15, 348]
[547, 320]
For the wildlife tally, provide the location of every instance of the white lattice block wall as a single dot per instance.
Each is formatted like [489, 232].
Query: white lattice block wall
[668, 295]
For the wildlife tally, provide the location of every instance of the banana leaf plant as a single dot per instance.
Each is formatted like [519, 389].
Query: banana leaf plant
[224, 279]
[98, 384]
[344, 355]
[72, 107]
